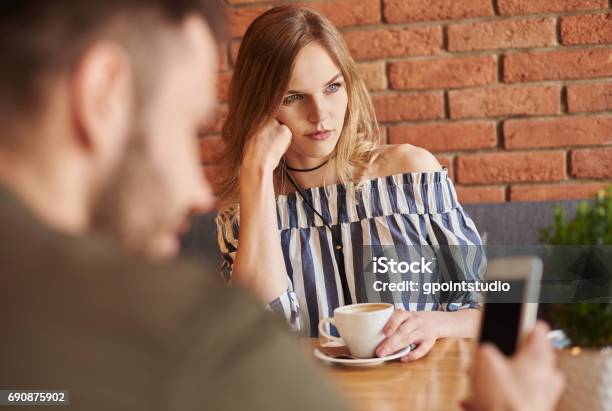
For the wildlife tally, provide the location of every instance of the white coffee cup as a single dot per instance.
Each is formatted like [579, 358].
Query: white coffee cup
[360, 326]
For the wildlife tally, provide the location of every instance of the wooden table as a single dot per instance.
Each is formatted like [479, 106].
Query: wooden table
[436, 382]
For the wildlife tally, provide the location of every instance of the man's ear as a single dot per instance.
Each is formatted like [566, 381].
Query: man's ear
[101, 87]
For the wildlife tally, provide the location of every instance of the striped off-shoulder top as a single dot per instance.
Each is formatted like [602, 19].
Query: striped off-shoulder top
[397, 211]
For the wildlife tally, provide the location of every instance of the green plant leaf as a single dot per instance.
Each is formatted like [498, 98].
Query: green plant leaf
[589, 323]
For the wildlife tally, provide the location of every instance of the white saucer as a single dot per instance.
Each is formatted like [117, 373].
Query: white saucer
[359, 362]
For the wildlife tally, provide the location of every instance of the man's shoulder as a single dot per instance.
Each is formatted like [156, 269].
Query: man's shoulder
[91, 317]
[95, 280]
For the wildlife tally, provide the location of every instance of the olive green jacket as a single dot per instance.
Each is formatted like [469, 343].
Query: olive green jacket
[79, 315]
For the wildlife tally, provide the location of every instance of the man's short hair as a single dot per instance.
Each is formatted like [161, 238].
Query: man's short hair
[43, 37]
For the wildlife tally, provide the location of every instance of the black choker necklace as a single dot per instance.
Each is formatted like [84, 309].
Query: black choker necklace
[305, 170]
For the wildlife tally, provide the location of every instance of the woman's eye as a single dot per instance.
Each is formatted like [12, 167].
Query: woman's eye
[332, 88]
[292, 98]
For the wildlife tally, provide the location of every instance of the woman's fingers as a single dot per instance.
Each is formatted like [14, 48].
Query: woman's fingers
[396, 319]
[268, 144]
[422, 349]
[406, 334]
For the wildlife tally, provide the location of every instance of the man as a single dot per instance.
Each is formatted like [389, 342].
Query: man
[100, 104]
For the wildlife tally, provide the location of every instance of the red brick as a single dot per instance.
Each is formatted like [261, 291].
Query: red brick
[239, 19]
[223, 61]
[217, 122]
[213, 174]
[211, 148]
[510, 167]
[383, 134]
[373, 75]
[522, 7]
[479, 194]
[247, 1]
[223, 83]
[549, 192]
[587, 29]
[558, 132]
[233, 52]
[591, 163]
[589, 97]
[343, 13]
[446, 161]
[504, 100]
[446, 136]
[372, 44]
[443, 72]
[502, 34]
[399, 11]
[409, 106]
[558, 65]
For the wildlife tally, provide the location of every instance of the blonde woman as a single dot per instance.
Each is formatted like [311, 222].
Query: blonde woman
[308, 185]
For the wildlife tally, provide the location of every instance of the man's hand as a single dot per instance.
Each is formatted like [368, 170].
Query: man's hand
[528, 381]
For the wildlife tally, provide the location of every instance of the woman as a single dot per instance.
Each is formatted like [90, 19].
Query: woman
[308, 185]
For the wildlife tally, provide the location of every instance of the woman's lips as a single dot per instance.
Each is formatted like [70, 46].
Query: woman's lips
[319, 135]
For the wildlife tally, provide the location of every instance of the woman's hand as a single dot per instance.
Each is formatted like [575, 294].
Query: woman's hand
[405, 328]
[267, 146]
[259, 265]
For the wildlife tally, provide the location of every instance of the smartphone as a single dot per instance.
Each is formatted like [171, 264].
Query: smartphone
[509, 315]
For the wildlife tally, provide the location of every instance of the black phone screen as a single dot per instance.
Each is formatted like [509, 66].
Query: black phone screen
[502, 317]
[500, 326]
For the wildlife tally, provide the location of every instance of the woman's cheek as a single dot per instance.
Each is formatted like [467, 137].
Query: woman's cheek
[340, 104]
[293, 121]
[280, 116]
[286, 116]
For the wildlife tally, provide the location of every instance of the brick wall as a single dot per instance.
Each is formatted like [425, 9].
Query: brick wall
[513, 96]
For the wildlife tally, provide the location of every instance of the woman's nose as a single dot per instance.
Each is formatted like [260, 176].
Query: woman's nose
[317, 112]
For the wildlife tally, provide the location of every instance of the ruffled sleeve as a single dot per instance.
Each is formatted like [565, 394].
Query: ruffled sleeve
[460, 251]
[286, 304]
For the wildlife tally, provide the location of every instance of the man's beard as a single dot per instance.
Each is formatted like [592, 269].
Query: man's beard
[131, 206]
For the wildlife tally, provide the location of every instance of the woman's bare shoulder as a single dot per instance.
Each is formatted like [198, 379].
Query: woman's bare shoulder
[403, 158]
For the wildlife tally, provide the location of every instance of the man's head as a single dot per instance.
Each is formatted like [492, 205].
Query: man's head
[102, 101]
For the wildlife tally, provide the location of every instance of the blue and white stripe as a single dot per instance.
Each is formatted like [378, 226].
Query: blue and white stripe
[397, 210]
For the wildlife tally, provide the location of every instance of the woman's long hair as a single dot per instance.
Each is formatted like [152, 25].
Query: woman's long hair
[263, 69]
